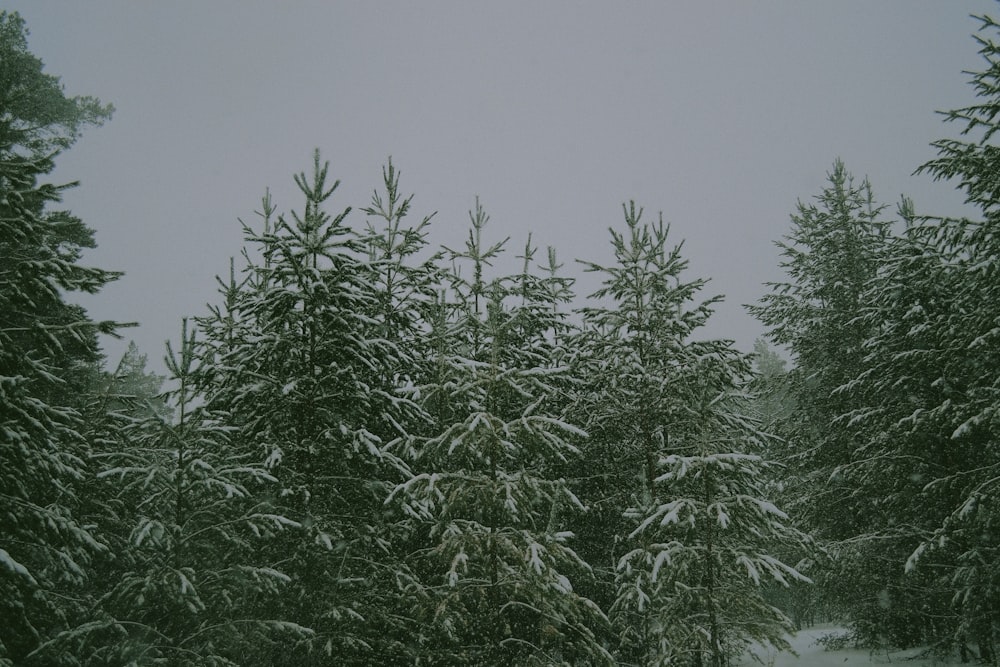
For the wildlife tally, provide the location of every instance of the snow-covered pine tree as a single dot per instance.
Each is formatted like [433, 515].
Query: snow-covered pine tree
[114, 399]
[496, 565]
[932, 400]
[405, 281]
[710, 543]
[44, 343]
[301, 368]
[226, 324]
[841, 466]
[632, 358]
[187, 577]
[902, 444]
[538, 334]
[405, 284]
[686, 580]
[831, 254]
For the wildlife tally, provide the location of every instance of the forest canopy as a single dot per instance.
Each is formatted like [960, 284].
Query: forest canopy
[370, 450]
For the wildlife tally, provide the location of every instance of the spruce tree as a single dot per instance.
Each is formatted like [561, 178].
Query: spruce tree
[405, 280]
[672, 428]
[495, 573]
[632, 359]
[186, 576]
[708, 546]
[47, 348]
[304, 369]
[832, 255]
[930, 397]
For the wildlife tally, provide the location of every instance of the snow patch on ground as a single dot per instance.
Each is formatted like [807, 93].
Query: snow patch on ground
[812, 654]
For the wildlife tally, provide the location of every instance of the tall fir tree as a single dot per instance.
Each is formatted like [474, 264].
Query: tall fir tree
[632, 357]
[832, 256]
[678, 457]
[496, 568]
[406, 278]
[930, 398]
[305, 369]
[186, 574]
[47, 348]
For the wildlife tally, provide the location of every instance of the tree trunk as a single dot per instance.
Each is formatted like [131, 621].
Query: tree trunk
[713, 621]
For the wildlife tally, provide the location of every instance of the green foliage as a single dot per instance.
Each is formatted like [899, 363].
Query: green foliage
[693, 583]
[185, 574]
[47, 348]
[37, 118]
[831, 255]
[893, 432]
[685, 583]
[495, 568]
[130, 389]
[306, 356]
[930, 397]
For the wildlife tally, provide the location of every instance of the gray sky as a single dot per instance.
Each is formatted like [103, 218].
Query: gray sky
[721, 114]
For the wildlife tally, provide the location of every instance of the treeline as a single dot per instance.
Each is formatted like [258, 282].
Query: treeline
[371, 451]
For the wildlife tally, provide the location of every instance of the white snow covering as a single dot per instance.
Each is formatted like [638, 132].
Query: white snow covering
[811, 654]
[9, 563]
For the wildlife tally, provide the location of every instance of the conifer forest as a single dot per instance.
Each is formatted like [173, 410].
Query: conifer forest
[373, 451]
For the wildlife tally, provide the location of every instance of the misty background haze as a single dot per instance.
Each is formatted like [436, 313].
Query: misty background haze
[719, 114]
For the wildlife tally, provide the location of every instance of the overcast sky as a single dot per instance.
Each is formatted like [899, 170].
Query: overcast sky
[720, 114]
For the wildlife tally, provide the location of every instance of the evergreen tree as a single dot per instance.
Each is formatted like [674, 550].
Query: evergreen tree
[47, 347]
[186, 574]
[304, 369]
[696, 578]
[903, 442]
[130, 388]
[929, 398]
[773, 404]
[405, 282]
[632, 357]
[404, 285]
[39, 120]
[659, 399]
[832, 256]
[115, 402]
[495, 573]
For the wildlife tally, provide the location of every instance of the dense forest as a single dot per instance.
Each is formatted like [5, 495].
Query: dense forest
[371, 451]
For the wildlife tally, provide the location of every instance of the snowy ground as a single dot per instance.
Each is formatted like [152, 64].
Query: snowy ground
[811, 654]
